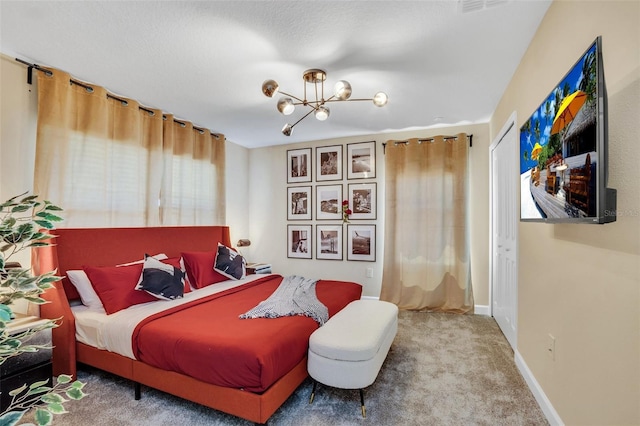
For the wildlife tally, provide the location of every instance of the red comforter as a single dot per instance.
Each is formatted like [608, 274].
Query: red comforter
[205, 339]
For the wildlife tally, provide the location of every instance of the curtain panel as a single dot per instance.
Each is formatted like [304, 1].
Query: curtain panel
[426, 256]
[109, 163]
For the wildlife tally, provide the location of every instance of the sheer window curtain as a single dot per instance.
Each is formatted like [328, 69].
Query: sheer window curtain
[104, 160]
[426, 255]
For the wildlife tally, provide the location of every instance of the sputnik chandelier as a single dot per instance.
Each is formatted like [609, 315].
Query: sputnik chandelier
[316, 77]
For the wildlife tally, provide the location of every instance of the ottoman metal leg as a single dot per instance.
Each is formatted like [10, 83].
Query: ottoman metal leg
[364, 411]
[313, 391]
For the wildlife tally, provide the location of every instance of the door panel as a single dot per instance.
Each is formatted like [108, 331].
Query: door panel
[504, 173]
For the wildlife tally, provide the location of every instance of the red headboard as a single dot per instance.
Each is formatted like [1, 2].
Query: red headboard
[75, 248]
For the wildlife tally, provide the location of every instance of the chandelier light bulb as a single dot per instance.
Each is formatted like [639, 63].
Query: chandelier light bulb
[269, 88]
[286, 106]
[343, 90]
[380, 99]
[322, 113]
[287, 129]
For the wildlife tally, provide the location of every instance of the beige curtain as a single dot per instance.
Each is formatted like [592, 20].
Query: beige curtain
[104, 159]
[426, 254]
[193, 187]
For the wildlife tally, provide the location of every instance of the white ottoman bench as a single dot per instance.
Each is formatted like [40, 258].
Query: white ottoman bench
[349, 349]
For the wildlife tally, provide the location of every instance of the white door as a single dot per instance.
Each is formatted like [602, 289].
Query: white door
[504, 230]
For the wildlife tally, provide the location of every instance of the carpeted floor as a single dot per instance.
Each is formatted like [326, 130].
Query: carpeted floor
[442, 369]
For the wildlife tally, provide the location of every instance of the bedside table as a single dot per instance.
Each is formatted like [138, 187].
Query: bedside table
[29, 367]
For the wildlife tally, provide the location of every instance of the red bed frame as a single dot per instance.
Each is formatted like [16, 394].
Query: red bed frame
[110, 246]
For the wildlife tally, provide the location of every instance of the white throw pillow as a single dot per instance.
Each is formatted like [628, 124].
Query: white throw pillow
[88, 295]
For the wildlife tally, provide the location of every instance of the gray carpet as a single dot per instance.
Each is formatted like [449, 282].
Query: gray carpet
[442, 369]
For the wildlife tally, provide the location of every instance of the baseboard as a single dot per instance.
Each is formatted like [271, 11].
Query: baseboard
[550, 413]
[477, 309]
[481, 310]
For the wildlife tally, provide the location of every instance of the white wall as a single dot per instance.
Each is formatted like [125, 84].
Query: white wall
[268, 210]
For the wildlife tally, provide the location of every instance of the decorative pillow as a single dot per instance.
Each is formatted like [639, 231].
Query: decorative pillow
[199, 267]
[230, 263]
[179, 263]
[115, 286]
[88, 295]
[161, 280]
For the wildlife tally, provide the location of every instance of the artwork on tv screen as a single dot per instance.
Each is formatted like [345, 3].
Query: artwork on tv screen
[563, 149]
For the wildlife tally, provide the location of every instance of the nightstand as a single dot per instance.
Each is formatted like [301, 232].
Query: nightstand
[29, 367]
[258, 268]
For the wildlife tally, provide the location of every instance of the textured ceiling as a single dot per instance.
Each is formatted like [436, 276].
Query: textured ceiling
[206, 61]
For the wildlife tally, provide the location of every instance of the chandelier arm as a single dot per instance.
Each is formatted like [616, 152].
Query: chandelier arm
[302, 101]
[348, 100]
[303, 117]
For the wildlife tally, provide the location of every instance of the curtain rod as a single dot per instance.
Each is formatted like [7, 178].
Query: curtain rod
[31, 67]
[470, 137]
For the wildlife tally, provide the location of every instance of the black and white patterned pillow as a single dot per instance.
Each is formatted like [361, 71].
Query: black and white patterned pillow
[161, 280]
[230, 263]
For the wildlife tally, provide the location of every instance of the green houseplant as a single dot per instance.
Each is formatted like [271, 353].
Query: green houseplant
[21, 219]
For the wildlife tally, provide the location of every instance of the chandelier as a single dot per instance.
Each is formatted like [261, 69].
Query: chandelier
[315, 77]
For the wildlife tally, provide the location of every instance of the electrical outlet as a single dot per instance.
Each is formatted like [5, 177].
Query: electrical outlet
[369, 272]
[551, 347]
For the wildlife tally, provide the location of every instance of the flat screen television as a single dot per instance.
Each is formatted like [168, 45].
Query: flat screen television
[563, 150]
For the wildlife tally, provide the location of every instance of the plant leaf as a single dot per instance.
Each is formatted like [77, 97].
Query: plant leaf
[77, 384]
[75, 393]
[52, 398]
[50, 206]
[43, 417]
[18, 390]
[64, 379]
[20, 208]
[38, 384]
[56, 408]
[11, 418]
[44, 223]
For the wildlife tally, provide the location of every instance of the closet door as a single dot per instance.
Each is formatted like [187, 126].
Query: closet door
[504, 231]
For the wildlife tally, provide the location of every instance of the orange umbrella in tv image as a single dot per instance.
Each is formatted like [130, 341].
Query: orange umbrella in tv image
[569, 107]
[537, 148]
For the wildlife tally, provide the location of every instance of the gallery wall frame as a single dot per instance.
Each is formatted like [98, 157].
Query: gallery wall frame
[329, 202]
[361, 242]
[363, 201]
[329, 242]
[299, 241]
[299, 165]
[328, 163]
[299, 204]
[361, 160]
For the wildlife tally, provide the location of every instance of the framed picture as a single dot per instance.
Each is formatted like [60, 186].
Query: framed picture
[299, 241]
[362, 200]
[361, 160]
[299, 199]
[329, 202]
[328, 163]
[299, 165]
[361, 242]
[329, 242]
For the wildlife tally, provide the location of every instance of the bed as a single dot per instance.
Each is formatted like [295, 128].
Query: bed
[263, 360]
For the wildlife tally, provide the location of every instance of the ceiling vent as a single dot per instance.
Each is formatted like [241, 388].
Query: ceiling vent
[467, 6]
